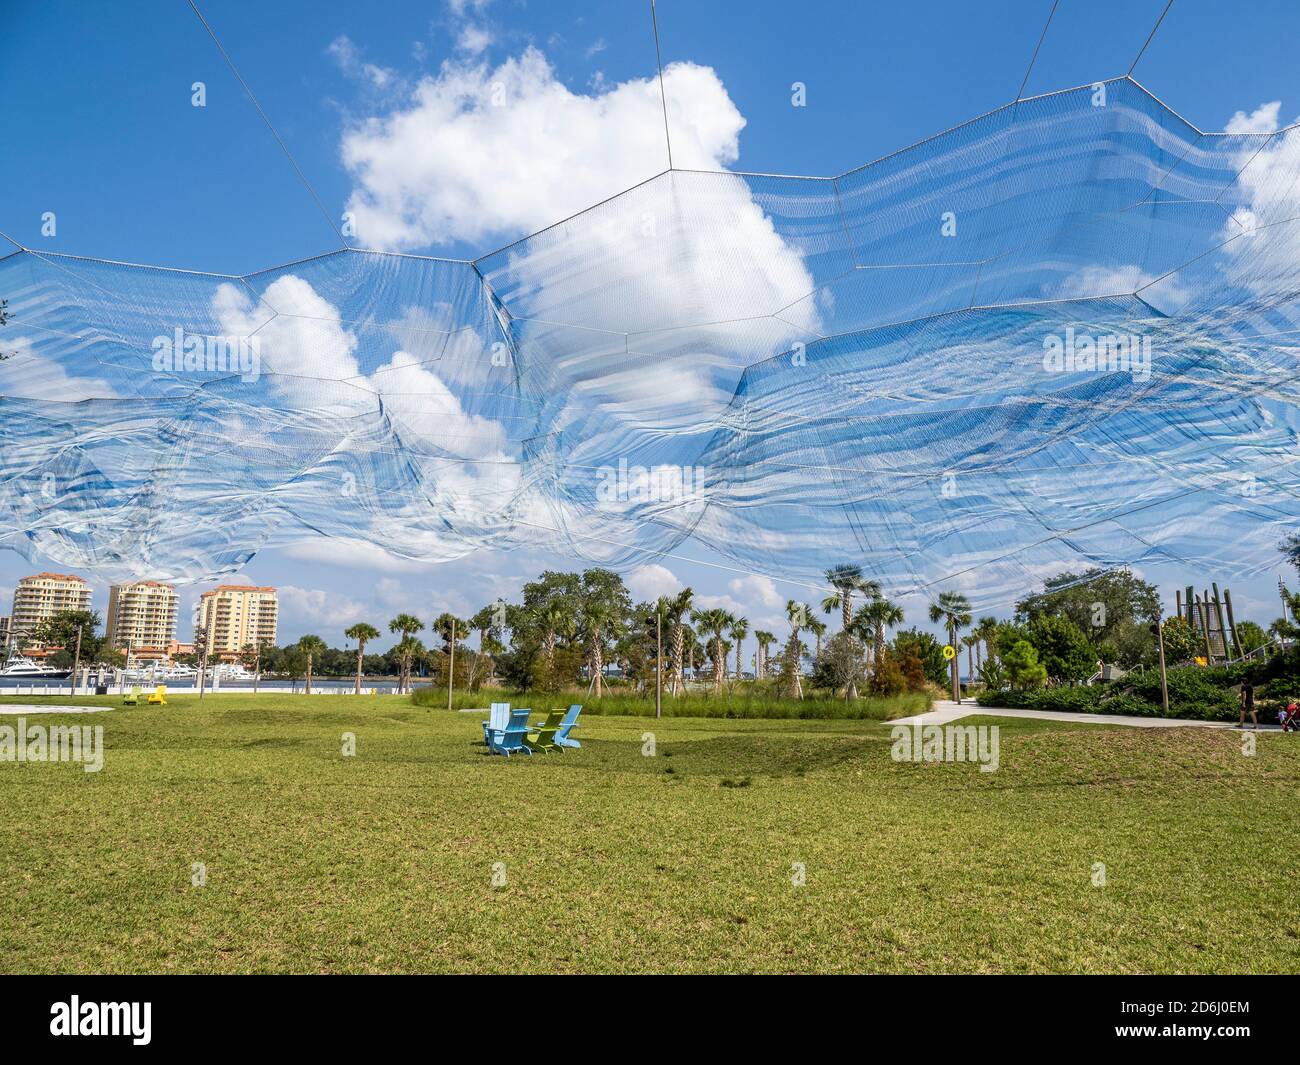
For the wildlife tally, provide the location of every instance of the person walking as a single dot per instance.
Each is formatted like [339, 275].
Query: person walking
[1247, 704]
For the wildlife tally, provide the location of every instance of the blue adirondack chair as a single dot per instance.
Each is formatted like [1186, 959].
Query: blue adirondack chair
[498, 720]
[570, 721]
[513, 738]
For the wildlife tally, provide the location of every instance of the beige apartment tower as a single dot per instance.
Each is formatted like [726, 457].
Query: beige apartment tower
[42, 596]
[142, 617]
[236, 616]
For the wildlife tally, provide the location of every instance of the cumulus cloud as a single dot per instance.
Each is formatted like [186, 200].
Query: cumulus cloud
[317, 607]
[1264, 119]
[29, 375]
[473, 39]
[652, 580]
[480, 153]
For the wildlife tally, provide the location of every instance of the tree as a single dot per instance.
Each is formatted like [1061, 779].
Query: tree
[927, 650]
[1290, 547]
[818, 628]
[363, 633]
[406, 625]
[846, 580]
[675, 611]
[841, 664]
[952, 609]
[311, 648]
[987, 630]
[60, 630]
[739, 630]
[798, 614]
[1023, 668]
[1182, 642]
[1095, 600]
[765, 640]
[1062, 648]
[606, 607]
[873, 620]
[5, 316]
[715, 622]
[1252, 637]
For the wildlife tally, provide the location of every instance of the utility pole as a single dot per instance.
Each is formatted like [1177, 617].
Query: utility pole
[451, 661]
[1164, 684]
[659, 662]
[76, 661]
[257, 664]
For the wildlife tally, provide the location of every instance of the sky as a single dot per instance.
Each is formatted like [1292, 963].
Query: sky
[101, 129]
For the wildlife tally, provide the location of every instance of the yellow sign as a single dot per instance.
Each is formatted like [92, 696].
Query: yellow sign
[949, 652]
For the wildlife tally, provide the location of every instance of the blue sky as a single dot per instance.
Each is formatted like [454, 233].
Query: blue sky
[100, 129]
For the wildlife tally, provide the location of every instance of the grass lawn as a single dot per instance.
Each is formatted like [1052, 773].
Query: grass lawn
[617, 862]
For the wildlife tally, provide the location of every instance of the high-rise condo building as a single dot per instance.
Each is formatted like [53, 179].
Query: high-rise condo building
[236, 616]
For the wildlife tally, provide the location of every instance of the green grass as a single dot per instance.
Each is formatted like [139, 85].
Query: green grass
[742, 703]
[617, 862]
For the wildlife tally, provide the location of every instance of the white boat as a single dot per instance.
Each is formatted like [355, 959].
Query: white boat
[19, 667]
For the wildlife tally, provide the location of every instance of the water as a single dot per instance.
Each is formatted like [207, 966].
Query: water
[38, 685]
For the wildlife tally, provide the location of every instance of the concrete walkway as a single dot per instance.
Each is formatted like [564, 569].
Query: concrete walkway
[946, 710]
[45, 708]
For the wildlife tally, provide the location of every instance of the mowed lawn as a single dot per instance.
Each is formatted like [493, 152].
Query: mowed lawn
[618, 862]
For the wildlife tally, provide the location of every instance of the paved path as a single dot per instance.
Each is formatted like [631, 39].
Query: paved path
[946, 710]
[45, 708]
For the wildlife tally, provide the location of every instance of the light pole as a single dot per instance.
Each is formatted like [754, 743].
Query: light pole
[659, 662]
[1164, 683]
[76, 661]
[451, 661]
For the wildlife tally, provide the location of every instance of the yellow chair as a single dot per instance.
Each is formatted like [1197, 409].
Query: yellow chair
[131, 698]
[159, 697]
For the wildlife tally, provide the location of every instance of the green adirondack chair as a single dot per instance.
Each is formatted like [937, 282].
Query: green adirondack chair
[544, 738]
[131, 698]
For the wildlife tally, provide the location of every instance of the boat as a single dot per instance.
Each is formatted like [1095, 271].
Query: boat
[19, 667]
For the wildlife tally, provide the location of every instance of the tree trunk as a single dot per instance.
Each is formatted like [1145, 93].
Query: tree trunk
[597, 663]
[719, 665]
[361, 650]
[795, 689]
[952, 642]
[738, 643]
[308, 672]
[679, 641]
[846, 610]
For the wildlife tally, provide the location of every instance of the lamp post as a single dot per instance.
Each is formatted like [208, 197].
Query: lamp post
[1164, 684]
[659, 662]
[451, 661]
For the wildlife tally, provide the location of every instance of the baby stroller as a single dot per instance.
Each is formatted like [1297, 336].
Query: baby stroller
[1289, 718]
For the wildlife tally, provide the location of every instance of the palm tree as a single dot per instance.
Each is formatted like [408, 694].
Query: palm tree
[484, 622]
[739, 630]
[970, 641]
[873, 620]
[555, 621]
[599, 617]
[311, 647]
[765, 639]
[361, 632]
[987, 630]
[847, 580]
[798, 613]
[715, 622]
[953, 610]
[406, 624]
[675, 610]
[818, 628]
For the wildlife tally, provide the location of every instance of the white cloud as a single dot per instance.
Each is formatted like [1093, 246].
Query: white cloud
[758, 589]
[1264, 119]
[652, 580]
[28, 375]
[480, 152]
[596, 47]
[1104, 281]
[308, 607]
[473, 39]
[348, 57]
